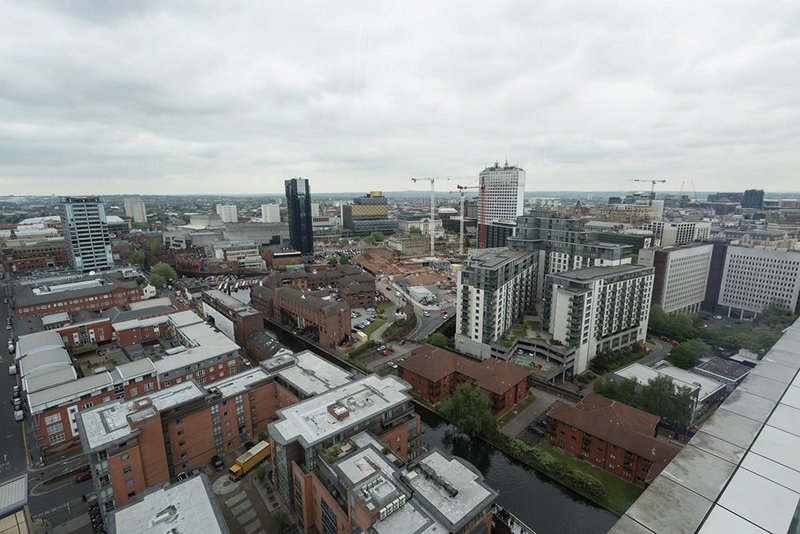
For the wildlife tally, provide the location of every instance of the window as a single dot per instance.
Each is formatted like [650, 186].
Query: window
[56, 438]
[148, 386]
[88, 405]
[124, 456]
[126, 469]
[55, 429]
[51, 419]
[128, 482]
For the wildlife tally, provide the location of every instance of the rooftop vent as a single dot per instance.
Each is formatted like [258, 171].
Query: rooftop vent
[338, 411]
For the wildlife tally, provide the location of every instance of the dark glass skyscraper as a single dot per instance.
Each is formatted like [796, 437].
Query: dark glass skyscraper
[298, 202]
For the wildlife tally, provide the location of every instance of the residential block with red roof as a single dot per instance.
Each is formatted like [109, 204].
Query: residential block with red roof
[434, 373]
[611, 435]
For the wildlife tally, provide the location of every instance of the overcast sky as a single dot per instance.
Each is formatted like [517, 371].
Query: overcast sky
[220, 97]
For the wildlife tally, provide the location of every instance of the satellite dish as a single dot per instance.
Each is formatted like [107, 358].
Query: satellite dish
[92, 273]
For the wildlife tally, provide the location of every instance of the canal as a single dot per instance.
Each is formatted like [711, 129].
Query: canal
[543, 505]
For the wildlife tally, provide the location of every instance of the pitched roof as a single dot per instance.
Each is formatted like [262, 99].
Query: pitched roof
[619, 424]
[493, 375]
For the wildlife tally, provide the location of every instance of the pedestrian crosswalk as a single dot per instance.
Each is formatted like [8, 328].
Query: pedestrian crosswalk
[241, 507]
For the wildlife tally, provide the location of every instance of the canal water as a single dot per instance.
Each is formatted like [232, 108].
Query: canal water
[543, 505]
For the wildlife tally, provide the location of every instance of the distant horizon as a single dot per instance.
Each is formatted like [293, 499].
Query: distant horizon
[419, 192]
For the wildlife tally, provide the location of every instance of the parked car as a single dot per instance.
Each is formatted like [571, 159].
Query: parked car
[382, 347]
[217, 463]
[83, 476]
[16, 391]
[17, 403]
[402, 342]
[383, 352]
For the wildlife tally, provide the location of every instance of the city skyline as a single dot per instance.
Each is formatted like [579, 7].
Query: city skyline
[116, 98]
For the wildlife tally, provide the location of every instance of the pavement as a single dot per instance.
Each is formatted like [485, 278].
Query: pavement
[13, 456]
[544, 400]
[245, 506]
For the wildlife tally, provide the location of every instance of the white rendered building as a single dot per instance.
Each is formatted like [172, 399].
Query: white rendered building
[598, 309]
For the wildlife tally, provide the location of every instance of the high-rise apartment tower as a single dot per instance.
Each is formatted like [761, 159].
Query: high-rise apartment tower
[86, 233]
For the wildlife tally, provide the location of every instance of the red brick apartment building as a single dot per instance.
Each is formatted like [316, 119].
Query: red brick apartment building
[23, 255]
[234, 318]
[139, 443]
[434, 373]
[327, 322]
[93, 294]
[613, 436]
[350, 460]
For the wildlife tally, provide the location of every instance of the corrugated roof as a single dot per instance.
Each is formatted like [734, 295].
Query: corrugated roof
[13, 494]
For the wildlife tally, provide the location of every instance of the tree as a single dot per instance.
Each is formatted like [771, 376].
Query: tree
[161, 273]
[661, 397]
[344, 260]
[440, 340]
[138, 258]
[467, 242]
[333, 261]
[688, 354]
[415, 230]
[157, 280]
[155, 245]
[378, 236]
[678, 326]
[470, 409]
[369, 240]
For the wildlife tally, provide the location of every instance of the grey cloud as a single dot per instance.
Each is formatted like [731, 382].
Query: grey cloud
[236, 96]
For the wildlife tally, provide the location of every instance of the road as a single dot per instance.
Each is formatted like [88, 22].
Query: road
[425, 325]
[12, 446]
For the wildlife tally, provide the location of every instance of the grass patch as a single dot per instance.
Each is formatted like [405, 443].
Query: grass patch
[503, 421]
[383, 306]
[377, 323]
[619, 494]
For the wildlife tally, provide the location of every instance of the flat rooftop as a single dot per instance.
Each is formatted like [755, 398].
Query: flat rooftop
[494, 258]
[680, 377]
[740, 472]
[181, 508]
[311, 423]
[593, 273]
[238, 383]
[231, 303]
[450, 487]
[312, 375]
[110, 422]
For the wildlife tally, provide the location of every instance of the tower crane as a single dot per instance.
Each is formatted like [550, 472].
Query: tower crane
[461, 189]
[652, 188]
[433, 214]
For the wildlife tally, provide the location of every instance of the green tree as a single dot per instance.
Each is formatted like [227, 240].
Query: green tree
[333, 261]
[678, 326]
[415, 230]
[344, 260]
[161, 273]
[470, 409]
[138, 258]
[661, 397]
[157, 280]
[467, 242]
[688, 354]
[378, 236]
[440, 340]
[369, 240]
[155, 245]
